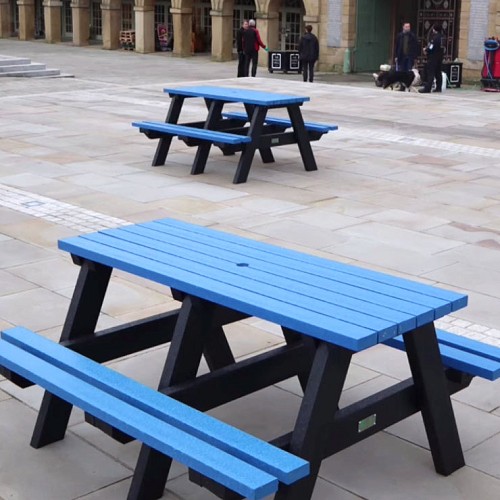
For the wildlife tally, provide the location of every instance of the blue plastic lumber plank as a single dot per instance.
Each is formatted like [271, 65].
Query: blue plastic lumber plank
[211, 268]
[290, 282]
[320, 265]
[423, 308]
[231, 94]
[248, 278]
[187, 449]
[231, 277]
[319, 127]
[432, 291]
[267, 258]
[459, 360]
[292, 316]
[201, 133]
[281, 464]
[197, 133]
[327, 288]
[469, 345]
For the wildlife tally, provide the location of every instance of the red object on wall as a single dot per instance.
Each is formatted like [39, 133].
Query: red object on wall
[491, 66]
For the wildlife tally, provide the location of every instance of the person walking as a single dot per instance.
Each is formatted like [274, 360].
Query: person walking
[433, 67]
[406, 49]
[308, 53]
[251, 45]
[239, 48]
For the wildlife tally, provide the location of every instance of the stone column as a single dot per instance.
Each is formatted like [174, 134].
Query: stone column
[144, 26]
[81, 22]
[183, 25]
[52, 15]
[26, 19]
[4, 19]
[222, 35]
[268, 26]
[111, 23]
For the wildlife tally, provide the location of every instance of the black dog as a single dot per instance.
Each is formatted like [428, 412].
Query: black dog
[398, 80]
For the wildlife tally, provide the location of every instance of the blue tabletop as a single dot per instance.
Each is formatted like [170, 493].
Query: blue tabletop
[231, 94]
[342, 304]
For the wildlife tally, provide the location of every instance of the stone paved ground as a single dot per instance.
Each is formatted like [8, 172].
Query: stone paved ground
[410, 185]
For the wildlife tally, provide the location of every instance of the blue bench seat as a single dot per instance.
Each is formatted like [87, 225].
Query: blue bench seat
[463, 354]
[233, 458]
[171, 129]
[283, 122]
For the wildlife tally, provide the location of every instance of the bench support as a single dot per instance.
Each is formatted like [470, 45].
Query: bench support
[302, 138]
[183, 360]
[317, 411]
[214, 117]
[172, 117]
[437, 412]
[81, 320]
[246, 158]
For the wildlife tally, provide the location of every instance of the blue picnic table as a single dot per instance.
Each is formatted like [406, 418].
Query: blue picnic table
[328, 311]
[229, 131]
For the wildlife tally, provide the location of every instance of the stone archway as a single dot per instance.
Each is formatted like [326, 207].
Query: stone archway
[144, 13]
[222, 30]
[182, 17]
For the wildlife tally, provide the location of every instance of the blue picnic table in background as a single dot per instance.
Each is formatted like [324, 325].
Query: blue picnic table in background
[228, 130]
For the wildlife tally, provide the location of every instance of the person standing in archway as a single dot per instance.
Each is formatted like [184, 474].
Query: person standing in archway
[406, 49]
[308, 53]
[239, 48]
[251, 46]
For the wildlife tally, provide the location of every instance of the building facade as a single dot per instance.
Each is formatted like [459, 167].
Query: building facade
[355, 35]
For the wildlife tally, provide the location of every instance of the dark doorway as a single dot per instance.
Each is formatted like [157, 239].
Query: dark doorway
[374, 33]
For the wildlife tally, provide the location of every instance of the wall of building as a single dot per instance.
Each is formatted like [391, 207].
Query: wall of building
[333, 21]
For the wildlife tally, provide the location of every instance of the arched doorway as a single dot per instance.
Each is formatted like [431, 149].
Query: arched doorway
[373, 34]
[95, 21]
[202, 26]
[14, 16]
[66, 20]
[39, 20]
[291, 24]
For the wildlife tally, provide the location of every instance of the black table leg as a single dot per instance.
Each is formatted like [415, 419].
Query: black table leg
[214, 116]
[292, 337]
[431, 387]
[81, 320]
[255, 132]
[183, 360]
[266, 155]
[302, 137]
[316, 415]
[164, 144]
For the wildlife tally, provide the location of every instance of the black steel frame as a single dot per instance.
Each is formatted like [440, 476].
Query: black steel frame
[321, 429]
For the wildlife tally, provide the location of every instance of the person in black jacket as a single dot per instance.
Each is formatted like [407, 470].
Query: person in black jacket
[251, 45]
[308, 53]
[406, 49]
[434, 52]
[239, 48]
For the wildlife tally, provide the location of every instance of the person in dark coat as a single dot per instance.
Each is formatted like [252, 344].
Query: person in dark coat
[406, 49]
[239, 48]
[251, 46]
[308, 53]
[434, 52]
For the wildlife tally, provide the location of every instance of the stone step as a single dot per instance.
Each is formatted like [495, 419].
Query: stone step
[22, 67]
[34, 73]
[13, 61]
